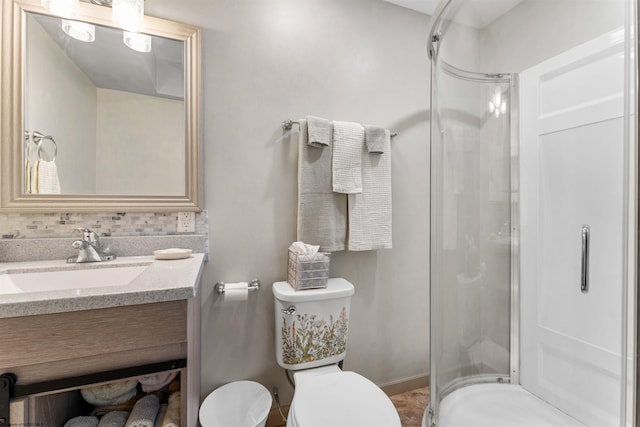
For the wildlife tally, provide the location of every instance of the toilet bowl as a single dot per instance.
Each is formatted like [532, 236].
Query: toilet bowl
[311, 333]
[339, 399]
[237, 404]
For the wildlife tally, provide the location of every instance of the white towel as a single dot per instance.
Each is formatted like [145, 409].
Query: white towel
[47, 181]
[370, 211]
[348, 140]
[155, 382]
[113, 393]
[322, 214]
[27, 177]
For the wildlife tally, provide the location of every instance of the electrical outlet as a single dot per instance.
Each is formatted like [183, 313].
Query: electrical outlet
[186, 222]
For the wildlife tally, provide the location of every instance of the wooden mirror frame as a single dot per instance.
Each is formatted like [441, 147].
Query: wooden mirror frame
[12, 198]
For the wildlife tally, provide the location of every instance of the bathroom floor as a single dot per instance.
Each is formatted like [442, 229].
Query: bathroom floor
[410, 406]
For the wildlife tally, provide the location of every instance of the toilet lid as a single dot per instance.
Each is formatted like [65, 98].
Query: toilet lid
[342, 399]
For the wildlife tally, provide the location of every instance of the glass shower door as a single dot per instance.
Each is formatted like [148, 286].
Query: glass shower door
[471, 224]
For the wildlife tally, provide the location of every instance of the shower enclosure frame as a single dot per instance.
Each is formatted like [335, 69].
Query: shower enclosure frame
[514, 329]
[629, 350]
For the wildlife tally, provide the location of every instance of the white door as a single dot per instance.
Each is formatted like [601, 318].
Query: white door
[571, 148]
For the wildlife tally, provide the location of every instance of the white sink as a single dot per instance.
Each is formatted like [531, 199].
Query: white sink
[17, 282]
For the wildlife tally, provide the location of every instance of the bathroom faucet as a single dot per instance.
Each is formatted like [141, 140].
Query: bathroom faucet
[89, 249]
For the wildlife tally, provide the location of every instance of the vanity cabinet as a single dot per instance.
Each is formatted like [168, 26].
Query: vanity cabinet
[64, 350]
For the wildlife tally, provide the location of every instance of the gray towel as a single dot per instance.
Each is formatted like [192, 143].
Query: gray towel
[322, 214]
[370, 211]
[144, 412]
[82, 422]
[114, 419]
[348, 140]
[374, 137]
[320, 132]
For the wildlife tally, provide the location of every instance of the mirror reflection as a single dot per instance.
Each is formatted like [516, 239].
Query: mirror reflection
[104, 112]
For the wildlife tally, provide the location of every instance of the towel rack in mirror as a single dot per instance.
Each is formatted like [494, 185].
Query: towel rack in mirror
[38, 138]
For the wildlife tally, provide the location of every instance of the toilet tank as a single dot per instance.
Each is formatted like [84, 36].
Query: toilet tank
[312, 324]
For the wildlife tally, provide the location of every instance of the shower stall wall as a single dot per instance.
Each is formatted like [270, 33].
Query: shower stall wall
[533, 214]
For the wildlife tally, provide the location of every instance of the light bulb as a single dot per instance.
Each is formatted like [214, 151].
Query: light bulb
[128, 14]
[137, 41]
[79, 30]
[64, 8]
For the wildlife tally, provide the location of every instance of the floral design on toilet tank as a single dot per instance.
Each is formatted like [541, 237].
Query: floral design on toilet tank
[308, 338]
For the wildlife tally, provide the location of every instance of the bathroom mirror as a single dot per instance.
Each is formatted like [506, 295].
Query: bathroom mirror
[108, 124]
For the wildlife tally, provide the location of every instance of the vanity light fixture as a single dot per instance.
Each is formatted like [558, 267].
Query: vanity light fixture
[137, 41]
[64, 8]
[128, 14]
[79, 30]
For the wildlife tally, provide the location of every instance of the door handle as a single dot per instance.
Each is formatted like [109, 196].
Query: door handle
[584, 270]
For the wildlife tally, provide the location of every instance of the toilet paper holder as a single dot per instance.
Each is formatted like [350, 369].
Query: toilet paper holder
[253, 286]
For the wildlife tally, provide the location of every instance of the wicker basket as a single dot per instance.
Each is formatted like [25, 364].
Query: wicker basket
[308, 271]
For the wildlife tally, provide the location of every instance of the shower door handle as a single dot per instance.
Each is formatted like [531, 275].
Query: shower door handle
[584, 281]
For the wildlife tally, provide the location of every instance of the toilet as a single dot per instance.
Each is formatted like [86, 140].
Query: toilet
[311, 340]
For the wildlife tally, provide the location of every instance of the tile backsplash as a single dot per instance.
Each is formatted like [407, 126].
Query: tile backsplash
[15, 226]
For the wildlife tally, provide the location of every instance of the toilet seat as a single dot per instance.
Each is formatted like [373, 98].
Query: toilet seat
[341, 399]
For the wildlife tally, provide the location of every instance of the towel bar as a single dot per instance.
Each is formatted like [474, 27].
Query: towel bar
[38, 138]
[254, 286]
[288, 124]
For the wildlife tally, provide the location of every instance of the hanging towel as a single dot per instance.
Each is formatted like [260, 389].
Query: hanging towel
[370, 211]
[82, 422]
[172, 416]
[320, 132]
[348, 140]
[145, 412]
[33, 176]
[47, 181]
[114, 419]
[113, 393]
[374, 137]
[322, 214]
[27, 176]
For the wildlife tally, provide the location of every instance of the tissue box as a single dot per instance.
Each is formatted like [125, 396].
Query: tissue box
[308, 271]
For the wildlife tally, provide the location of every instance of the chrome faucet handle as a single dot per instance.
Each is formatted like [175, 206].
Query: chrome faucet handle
[88, 235]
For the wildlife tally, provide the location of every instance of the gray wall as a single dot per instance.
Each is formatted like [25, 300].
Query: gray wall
[270, 60]
[537, 30]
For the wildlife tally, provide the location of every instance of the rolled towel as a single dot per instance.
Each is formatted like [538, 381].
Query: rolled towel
[374, 136]
[160, 417]
[145, 412]
[156, 381]
[114, 419]
[320, 131]
[110, 394]
[172, 416]
[82, 422]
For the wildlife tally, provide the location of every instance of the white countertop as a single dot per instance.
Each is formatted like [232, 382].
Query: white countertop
[162, 280]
